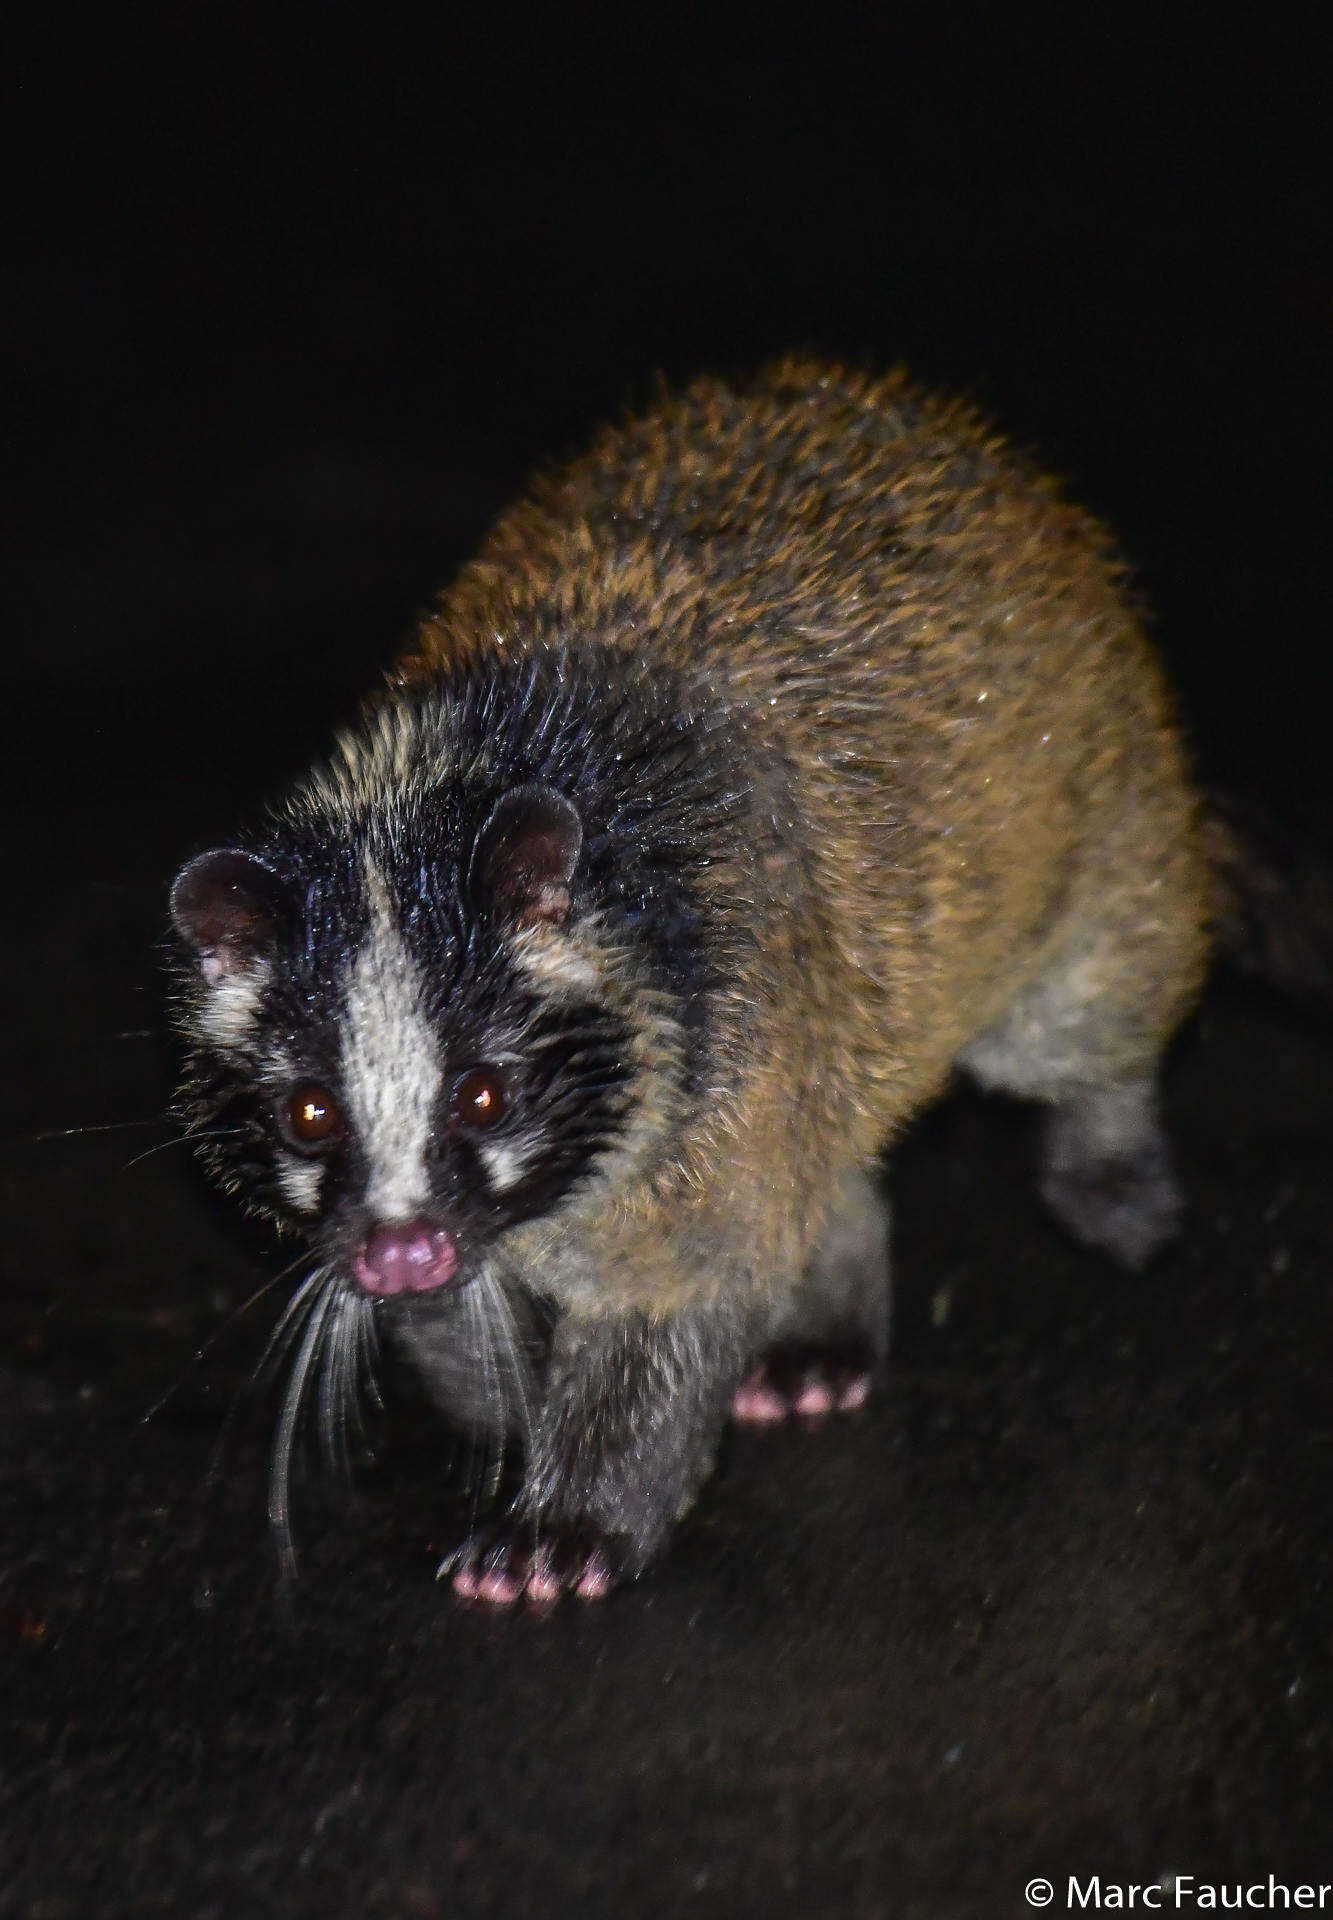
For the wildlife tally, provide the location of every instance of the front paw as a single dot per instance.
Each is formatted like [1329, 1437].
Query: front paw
[513, 1560]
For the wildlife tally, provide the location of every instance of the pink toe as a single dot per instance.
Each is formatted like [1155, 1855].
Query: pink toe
[815, 1397]
[755, 1401]
[465, 1582]
[543, 1586]
[855, 1393]
[499, 1587]
[596, 1580]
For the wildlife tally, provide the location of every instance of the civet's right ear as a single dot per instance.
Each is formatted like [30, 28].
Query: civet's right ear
[526, 855]
[223, 906]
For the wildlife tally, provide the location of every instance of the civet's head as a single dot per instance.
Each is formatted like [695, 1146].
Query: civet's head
[421, 1005]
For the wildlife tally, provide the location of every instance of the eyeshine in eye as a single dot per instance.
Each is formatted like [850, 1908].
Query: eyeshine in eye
[312, 1117]
[480, 1099]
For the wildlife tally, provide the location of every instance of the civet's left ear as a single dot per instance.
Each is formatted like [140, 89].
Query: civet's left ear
[526, 855]
[224, 905]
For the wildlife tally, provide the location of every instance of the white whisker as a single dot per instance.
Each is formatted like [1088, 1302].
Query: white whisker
[280, 1471]
[346, 1362]
[488, 1458]
[183, 1140]
[74, 1133]
[342, 1366]
[332, 1385]
[284, 1333]
[369, 1341]
[519, 1370]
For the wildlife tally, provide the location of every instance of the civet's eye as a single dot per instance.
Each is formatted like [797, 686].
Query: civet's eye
[312, 1117]
[479, 1098]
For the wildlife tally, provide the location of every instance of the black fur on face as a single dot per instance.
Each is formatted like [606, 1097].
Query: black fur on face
[470, 904]
[556, 1068]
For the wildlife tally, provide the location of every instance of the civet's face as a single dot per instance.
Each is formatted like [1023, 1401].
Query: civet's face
[398, 1032]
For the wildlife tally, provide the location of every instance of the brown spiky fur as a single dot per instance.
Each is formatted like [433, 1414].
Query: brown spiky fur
[981, 844]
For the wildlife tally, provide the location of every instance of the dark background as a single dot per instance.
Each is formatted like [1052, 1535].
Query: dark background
[288, 320]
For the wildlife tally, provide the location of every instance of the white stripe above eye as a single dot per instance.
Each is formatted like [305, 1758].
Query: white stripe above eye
[390, 1063]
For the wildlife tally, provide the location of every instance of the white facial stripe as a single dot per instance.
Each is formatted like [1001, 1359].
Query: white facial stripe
[300, 1182]
[390, 1061]
[228, 1016]
[505, 1163]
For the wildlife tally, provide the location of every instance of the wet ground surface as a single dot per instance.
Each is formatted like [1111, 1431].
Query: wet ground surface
[1058, 1600]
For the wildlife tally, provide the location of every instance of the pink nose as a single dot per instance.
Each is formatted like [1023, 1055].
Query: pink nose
[407, 1258]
